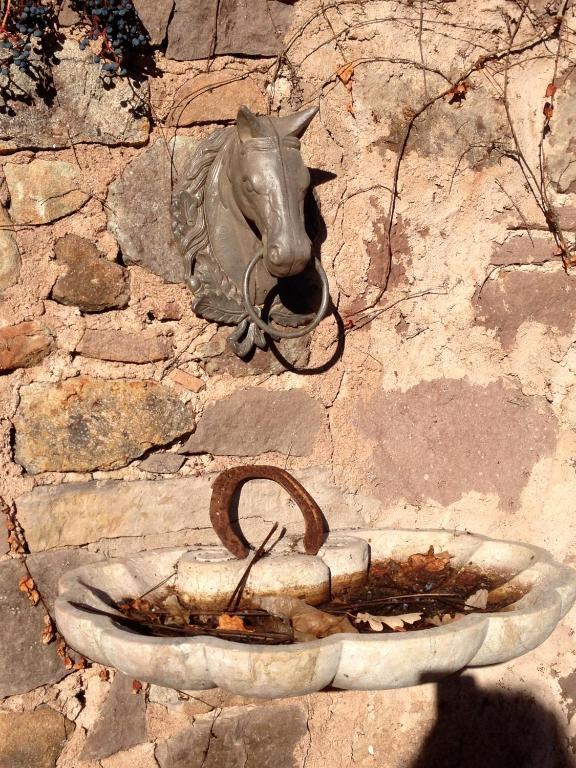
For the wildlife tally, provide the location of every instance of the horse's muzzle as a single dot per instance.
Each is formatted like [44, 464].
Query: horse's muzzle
[285, 263]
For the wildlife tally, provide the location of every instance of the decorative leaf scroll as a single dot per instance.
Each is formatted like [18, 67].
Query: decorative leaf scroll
[187, 208]
[211, 306]
[245, 337]
[217, 298]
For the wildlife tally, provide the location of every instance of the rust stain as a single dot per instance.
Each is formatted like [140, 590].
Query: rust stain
[381, 273]
[514, 298]
[442, 439]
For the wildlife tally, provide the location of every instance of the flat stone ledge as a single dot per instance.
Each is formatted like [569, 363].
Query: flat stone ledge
[82, 513]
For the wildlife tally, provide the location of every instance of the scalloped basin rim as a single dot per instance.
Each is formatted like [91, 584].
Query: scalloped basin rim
[356, 662]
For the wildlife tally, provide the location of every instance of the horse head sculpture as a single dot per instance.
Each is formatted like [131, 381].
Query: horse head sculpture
[239, 216]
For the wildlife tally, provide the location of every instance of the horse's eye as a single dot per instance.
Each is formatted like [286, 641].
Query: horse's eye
[249, 186]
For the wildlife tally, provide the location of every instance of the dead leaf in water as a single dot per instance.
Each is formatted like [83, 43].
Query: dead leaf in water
[431, 562]
[478, 599]
[396, 623]
[309, 623]
[446, 618]
[225, 621]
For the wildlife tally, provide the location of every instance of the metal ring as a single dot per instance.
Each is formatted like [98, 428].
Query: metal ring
[275, 333]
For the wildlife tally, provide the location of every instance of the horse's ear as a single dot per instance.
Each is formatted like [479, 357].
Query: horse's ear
[296, 124]
[247, 123]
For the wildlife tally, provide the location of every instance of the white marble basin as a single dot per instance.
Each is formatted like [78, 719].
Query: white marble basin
[349, 661]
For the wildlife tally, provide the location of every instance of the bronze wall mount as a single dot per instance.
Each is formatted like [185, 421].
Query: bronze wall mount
[238, 215]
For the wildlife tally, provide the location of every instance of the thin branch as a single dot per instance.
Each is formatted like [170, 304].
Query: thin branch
[356, 326]
[422, 60]
[236, 595]
[518, 211]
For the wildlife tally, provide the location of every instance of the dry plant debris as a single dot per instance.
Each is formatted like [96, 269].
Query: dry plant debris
[49, 631]
[62, 651]
[26, 585]
[424, 591]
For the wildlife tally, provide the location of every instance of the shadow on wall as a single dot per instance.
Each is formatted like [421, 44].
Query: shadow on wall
[302, 293]
[492, 728]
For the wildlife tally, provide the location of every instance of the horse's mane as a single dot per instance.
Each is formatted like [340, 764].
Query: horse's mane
[188, 202]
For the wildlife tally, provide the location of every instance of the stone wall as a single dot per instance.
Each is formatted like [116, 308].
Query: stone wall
[441, 392]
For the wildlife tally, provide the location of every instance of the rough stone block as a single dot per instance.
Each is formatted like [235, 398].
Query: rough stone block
[80, 513]
[46, 568]
[83, 424]
[162, 463]
[215, 97]
[154, 15]
[24, 345]
[121, 724]
[187, 380]
[32, 739]
[253, 421]
[125, 347]
[244, 27]
[9, 253]
[252, 27]
[138, 206]
[85, 111]
[91, 282]
[43, 191]
[25, 663]
[242, 737]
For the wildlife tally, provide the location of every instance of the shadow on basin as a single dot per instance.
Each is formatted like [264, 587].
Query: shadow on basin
[491, 728]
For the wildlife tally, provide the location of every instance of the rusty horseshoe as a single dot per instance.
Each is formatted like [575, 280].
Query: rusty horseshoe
[228, 482]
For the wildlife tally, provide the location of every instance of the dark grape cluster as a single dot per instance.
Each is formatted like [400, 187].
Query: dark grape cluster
[30, 39]
[117, 26]
[26, 27]
[27, 37]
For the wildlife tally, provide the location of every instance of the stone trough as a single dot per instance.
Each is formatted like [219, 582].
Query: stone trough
[347, 661]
